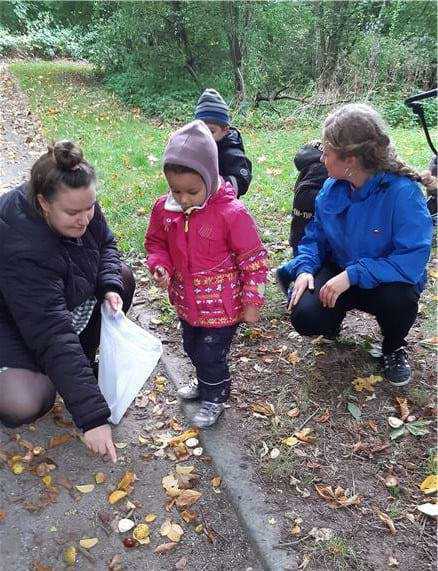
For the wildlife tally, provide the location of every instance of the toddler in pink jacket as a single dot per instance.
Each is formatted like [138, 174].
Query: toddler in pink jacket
[203, 245]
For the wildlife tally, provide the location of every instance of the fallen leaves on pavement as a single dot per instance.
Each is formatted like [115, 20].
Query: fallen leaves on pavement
[337, 498]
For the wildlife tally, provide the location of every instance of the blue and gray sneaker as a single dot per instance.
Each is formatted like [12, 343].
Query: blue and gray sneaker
[208, 414]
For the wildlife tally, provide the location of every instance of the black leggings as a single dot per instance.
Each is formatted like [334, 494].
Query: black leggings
[208, 349]
[394, 305]
[27, 395]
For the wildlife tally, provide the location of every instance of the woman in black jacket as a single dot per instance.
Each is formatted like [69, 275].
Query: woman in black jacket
[58, 263]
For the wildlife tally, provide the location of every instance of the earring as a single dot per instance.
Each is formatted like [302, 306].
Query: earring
[349, 172]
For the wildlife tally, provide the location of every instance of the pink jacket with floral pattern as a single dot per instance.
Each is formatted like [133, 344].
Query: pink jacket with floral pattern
[214, 256]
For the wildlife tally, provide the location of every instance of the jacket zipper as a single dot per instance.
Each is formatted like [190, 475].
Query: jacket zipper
[186, 222]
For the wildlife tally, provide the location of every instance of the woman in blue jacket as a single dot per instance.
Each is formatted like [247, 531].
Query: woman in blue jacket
[369, 242]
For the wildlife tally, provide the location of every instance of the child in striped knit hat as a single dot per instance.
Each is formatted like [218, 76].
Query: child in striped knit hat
[234, 166]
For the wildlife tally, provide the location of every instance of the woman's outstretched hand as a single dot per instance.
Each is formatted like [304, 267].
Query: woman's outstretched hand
[100, 441]
[114, 300]
[303, 282]
[332, 289]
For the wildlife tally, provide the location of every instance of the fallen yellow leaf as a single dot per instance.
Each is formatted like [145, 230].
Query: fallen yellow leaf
[70, 555]
[85, 489]
[366, 383]
[184, 470]
[191, 433]
[116, 496]
[141, 533]
[149, 518]
[171, 530]
[127, 481]
[290, 441]
[430, 484]
[47, 480]
[88, 543]
[17, 468]
[100, 477]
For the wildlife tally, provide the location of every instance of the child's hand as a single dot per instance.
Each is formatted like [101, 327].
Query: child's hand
[251, 314]
[161, 277]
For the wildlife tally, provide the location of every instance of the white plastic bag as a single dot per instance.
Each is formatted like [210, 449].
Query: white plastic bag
[127, 356]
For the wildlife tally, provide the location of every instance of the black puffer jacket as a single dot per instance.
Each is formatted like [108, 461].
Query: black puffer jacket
[312, 175]
[43, 277]
[234, 166]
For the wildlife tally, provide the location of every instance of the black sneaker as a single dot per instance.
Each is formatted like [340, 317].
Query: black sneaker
[396, 368]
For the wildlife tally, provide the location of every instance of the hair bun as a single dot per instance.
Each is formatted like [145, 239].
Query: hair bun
[67, 154]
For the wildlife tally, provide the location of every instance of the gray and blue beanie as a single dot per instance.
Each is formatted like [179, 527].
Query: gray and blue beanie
[211, 107]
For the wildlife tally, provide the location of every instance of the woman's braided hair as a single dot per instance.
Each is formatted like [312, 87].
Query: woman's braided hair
[358, 130]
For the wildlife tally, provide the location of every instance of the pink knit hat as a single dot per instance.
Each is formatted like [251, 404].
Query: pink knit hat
[193, 146]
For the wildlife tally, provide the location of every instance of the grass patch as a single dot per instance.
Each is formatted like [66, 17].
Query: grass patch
[126, 150]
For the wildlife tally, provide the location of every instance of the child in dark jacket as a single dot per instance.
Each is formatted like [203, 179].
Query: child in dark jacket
[312, 175]
[234, 166]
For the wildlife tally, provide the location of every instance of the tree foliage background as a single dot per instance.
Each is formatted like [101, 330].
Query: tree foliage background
[275, 56]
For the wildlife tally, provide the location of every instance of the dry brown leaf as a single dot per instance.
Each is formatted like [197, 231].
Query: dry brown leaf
[64, 482]
[59, 440]
[264, 408]
[189, 516]
[305, 562]
[100, 478]
[165, 548]
[181, 564]
[216, 481]
[37, 566]
[169, 504]
[127, 481]
[116, 563]
[2, 515]
[184, 470]
[186, 481]
[116, 496]
[187, 498]
[338, 497]
[293, 358]
[324, 417]
[403, 406]
[304, 435]
[293, 412]
[373, 425]
[386, 520]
